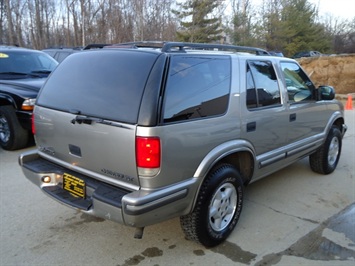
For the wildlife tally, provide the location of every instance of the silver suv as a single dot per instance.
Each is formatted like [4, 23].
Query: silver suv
[139, 134]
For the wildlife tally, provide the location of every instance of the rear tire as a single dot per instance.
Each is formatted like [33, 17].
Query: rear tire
[12, 135]
[325, 159]
[217, 209]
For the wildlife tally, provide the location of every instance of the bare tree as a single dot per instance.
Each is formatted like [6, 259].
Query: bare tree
[73, 17]
[10, 24]
[42, 23]
[2, 14]
[158, 22]
[241, 21]
[19, 9]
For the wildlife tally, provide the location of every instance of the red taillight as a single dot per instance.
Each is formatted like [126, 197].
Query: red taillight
[33, 124]
[148, 152]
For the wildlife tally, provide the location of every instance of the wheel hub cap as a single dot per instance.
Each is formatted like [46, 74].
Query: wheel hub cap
[4, 129]
[333, 151]
[223, 206]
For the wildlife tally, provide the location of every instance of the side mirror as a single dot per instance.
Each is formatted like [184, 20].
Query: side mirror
[326, 92]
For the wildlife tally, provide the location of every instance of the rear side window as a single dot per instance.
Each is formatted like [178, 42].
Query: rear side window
[262, 87]
[106, 84]
[60, 56]
[197, 87]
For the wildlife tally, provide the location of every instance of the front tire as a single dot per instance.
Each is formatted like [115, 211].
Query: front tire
[325, 159]
[217, 209]
[12, 135]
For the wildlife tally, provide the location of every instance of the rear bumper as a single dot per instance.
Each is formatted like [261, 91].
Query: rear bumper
[134, 208]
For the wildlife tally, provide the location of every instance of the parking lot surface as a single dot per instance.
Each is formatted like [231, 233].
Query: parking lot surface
[293, 217]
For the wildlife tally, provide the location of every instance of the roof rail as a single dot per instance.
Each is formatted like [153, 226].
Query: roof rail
[184, 46]
[9, 44]
[140, 44]
[95, 46]
[64, 47]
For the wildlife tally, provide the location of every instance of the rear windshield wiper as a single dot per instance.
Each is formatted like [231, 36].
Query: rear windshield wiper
[82, 119]
[41, 72]
[20, 74]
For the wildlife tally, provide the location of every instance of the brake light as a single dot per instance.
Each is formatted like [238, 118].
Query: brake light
[148, 152]
[33, 124]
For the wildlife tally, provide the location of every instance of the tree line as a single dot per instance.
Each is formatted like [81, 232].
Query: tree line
[289, 26]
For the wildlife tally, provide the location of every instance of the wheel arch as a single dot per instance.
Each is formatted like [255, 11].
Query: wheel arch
[238, 153]
[340, 123]
[7, 100]
[337, 120]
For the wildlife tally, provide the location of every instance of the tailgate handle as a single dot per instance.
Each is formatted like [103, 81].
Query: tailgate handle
[84, 119]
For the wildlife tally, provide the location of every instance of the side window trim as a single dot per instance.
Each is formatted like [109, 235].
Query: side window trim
[262, 93]
[299, 87]
[195, 89]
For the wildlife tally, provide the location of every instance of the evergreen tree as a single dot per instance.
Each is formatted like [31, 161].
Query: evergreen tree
[290, 26]
[242, 32]
[302, 32]
[197, 22]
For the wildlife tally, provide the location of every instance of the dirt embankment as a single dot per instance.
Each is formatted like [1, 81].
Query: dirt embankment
[337, 71]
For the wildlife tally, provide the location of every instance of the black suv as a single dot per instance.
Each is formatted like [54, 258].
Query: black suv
[22, 73]
[61, 53]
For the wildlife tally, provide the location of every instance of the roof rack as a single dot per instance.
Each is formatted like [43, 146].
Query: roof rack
[184, 46]
[95, 46]
[140, 44]
[64, 47]
[9, 44]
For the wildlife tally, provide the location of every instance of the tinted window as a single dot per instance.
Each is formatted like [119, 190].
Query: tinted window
[107, 84]
[25, 62]
[299, 86]
[262, 86]
[60, 56]
[197, 87]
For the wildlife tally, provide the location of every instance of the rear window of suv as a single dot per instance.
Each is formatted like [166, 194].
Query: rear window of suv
[105, 84]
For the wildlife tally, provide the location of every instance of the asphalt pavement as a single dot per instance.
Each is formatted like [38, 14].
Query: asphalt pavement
[293, 217]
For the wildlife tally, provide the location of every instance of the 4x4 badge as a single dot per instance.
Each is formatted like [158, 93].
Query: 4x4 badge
[48, 150]
[117, 175]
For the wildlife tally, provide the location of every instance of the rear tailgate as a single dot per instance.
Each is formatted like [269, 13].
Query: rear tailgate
[102, 151]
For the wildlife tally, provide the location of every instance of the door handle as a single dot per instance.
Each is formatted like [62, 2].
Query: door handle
[251, 126]
[292, 117]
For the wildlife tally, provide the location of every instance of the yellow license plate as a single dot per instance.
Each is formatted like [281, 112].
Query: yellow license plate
[74, 185]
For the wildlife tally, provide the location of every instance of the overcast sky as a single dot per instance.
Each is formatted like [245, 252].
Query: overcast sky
[338, 8]
[343, 9]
